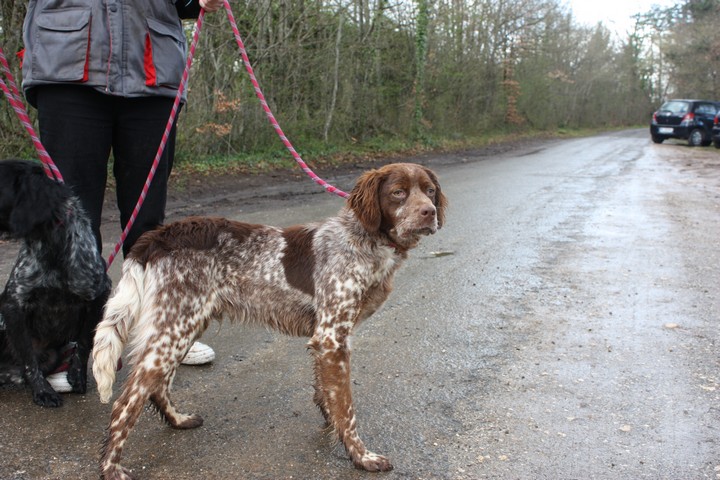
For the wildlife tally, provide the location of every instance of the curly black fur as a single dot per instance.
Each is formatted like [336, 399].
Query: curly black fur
[58, 287]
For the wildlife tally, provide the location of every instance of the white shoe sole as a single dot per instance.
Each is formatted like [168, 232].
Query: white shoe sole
[59, 382]
[199, 354]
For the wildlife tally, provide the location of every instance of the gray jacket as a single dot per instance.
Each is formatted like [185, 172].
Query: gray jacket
[131, 48]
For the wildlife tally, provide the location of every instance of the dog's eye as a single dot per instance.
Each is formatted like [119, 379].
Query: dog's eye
[399, 193]
[430, 192]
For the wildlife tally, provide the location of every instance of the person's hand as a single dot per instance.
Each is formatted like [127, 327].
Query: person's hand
[211, 5]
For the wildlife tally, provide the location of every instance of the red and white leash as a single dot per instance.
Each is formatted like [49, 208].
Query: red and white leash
[13, 96]
[268, 112]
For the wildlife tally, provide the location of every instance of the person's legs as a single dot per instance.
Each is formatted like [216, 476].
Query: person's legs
[139, 128]
[75, 124]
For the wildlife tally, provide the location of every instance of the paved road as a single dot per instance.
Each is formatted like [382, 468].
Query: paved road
[564, 325]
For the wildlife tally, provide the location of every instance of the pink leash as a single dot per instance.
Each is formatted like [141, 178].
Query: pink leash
[268, 112]
[13, 96]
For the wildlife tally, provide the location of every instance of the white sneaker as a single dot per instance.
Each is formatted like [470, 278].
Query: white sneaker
[58, 379]
[59, 382]
[199, 354]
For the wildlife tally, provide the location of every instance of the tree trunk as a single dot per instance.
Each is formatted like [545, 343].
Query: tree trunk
[336, 73]
[421, 31]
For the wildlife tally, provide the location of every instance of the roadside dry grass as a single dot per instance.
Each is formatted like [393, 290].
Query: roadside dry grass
[323, 156]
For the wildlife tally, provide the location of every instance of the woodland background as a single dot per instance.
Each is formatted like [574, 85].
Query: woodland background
[379, 74]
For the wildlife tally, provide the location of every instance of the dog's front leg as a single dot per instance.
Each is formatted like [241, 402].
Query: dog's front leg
[90, 316]
[334, 397]
[21, 346]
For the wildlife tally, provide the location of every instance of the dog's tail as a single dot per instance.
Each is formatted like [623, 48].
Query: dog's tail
[112, 333]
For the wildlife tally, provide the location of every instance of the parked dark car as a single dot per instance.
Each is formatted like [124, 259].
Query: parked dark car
[690, 120]
[716, 131]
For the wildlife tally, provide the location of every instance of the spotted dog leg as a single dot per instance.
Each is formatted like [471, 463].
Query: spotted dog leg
[162, 402]
[334, 398]
[144, 383]
[126, 410]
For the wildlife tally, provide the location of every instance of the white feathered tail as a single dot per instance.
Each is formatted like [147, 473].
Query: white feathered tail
[112, 333]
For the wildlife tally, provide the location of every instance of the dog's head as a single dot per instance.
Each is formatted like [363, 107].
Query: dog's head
[29, 200]
[402, 200]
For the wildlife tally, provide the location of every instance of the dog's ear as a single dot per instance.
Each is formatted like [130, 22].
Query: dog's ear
[364, 200]
[441, 201]
[38, 202]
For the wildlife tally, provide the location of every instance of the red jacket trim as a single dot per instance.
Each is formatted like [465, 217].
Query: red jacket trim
[150, 74]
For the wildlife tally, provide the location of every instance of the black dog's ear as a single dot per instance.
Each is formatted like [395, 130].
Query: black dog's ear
[38, 202]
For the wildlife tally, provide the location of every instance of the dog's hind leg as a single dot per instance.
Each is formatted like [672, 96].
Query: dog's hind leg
[10, 374]
[150, 379]
[20, 343]
[126, 410]
[161, 399]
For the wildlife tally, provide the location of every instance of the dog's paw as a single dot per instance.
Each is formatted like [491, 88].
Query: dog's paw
[373, 463]
[186, 422]
[116, 472]
[47, 398]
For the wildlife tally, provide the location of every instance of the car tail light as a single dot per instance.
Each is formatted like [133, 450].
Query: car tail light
[688, 119]
[654, 120]
[716, 121]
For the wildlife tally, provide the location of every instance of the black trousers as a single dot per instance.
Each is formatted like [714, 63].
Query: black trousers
[80, 126]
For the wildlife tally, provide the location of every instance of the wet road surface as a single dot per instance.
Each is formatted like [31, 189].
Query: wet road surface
[563, 325]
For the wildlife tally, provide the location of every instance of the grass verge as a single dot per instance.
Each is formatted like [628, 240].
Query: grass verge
[318, 155]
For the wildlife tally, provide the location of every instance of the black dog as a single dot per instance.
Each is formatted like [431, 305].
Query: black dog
[58, 287]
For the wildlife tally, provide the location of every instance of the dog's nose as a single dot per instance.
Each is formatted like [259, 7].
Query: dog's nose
[427, 211]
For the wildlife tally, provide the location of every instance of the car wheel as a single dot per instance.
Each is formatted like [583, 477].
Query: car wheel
[657, 139]
[696, 138]
[716, 143]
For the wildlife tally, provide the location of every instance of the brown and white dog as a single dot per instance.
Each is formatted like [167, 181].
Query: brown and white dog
[317, 280]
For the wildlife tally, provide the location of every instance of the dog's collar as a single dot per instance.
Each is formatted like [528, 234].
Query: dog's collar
[398, 249]
[388, 241]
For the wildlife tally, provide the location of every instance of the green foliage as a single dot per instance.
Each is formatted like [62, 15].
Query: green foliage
[693, 49]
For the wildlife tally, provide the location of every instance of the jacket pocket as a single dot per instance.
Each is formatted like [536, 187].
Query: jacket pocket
[164, 57]
[61, 48]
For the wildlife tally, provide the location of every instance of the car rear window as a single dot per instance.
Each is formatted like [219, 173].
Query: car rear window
[675, 107]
